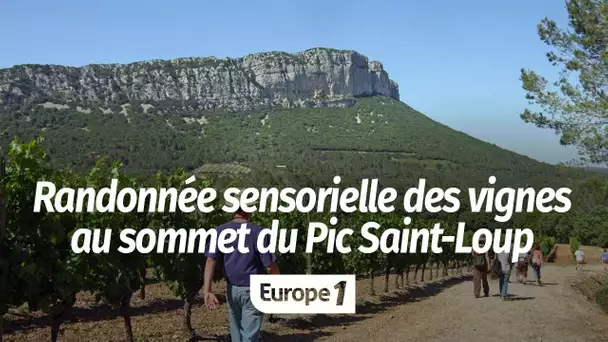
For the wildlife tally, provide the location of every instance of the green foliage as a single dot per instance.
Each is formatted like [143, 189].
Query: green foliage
[574, 244]
[294, 262]
[586, 220]
[602, 240]
[390, 141]
[546, 243]
[548, 240]
[182, 272]
[576, 104]
[36, 264]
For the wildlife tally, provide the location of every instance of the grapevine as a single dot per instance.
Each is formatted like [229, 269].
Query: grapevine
[38, 267]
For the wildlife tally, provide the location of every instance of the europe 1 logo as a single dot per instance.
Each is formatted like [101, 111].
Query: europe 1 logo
[304, 294]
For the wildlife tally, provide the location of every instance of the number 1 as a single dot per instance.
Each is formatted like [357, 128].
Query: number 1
[340, 286]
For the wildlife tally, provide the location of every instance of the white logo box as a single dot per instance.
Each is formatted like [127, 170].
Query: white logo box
[304, 294]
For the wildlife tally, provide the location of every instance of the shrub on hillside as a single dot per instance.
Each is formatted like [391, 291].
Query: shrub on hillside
[544, 247]
[603, 240]
[546, 244]
[574, 244]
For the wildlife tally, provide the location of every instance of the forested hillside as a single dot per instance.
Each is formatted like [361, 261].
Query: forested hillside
[378, 137]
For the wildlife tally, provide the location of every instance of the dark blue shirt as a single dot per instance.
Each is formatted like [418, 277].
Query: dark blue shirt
[239, 266]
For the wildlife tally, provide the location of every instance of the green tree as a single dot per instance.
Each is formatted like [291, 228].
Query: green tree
[575, 105]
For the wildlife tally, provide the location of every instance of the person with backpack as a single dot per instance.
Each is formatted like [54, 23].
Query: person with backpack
[481, 264]
[522, 266]
[245, 319]
[605, 259]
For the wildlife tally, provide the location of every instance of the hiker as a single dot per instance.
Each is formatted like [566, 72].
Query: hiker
[481, 264]
[522, 266]
[245, 319]
[502, 266]
[537, 261]
[580, 258]
[605, 259]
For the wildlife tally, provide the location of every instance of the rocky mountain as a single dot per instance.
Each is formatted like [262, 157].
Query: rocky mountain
[313, 78]
[265, 113]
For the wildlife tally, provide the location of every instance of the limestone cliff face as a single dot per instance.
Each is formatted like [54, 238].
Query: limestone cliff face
[315, 77]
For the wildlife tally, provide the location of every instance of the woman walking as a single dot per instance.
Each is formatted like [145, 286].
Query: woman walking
[537, 261]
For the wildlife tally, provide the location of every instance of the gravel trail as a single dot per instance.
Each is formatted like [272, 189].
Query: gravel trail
[552, 312]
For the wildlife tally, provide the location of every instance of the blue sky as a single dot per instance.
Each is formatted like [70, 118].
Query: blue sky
[456, 61]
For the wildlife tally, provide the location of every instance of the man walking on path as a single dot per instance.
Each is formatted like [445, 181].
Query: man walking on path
[580, 258]
[481, 266]
[245, 319]
[503, 282]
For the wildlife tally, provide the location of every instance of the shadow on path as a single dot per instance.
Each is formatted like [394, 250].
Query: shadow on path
[94, 313]
[100, 313]
[511, 297]
[266, 336]
[515, 298]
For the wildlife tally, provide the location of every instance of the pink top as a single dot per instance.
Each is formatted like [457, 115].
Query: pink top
[537, 257]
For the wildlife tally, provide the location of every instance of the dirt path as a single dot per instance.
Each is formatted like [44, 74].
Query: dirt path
[553, 312]
[442, 310]
[563, 255]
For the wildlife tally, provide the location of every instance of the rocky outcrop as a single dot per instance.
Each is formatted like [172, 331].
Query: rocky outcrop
[314, 77]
